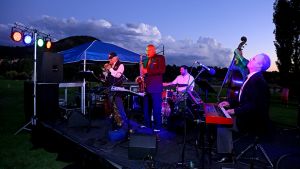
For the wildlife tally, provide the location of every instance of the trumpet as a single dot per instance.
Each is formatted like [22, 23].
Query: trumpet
[107, 66]
[105, 69]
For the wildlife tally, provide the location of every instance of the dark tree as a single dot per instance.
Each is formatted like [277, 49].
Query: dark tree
[287, 29]
[287, 21]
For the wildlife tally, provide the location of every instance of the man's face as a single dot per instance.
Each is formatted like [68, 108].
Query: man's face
[255, 63]
[150, 51]
[113, 60]
[182, 71]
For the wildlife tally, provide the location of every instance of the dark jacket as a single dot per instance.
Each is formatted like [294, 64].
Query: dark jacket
[111, 80]
[252, 112]
[154, 78]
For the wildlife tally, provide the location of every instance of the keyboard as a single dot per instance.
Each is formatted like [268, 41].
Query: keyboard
[123, 89]
[216, 115]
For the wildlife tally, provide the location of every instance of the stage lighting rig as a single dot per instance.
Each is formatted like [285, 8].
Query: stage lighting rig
[28, 36]
[19, 33]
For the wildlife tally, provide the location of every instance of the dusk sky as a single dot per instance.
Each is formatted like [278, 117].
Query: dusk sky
[207, 31]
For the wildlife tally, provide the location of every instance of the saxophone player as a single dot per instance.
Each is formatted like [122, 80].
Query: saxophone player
[153, 69]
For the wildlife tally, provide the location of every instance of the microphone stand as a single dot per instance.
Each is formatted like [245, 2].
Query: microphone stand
[107, 89]
[184, 96]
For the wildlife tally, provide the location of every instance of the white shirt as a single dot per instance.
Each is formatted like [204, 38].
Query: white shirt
[187, 79]
[117, 73]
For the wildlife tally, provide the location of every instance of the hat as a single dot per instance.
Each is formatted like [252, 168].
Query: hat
[111, 55]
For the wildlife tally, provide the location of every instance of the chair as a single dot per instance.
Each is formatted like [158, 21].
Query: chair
[255, 153]
[285, 96]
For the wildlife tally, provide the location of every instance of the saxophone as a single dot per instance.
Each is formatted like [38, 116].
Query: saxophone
[140, 79]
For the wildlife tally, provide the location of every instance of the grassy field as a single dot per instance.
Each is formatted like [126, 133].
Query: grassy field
[16, 150]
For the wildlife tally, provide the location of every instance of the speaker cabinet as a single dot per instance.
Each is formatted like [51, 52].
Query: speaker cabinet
[46, 100]
[50, 68]
[141, 145]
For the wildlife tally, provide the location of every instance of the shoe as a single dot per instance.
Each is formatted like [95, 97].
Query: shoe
[142, 126]
[156, 130]
[226, 159]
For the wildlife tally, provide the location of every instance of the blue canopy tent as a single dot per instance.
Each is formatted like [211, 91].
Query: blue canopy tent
[96, 51]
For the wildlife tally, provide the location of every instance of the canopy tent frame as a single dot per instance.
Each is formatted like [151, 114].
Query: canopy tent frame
[93, 51]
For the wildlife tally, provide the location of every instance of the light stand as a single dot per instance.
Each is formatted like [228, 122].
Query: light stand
[35, 32]
[33, 118]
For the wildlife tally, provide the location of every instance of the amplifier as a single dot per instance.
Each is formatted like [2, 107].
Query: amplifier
[141, 145]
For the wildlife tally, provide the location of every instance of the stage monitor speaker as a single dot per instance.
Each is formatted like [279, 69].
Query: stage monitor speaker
[50, 68]
[141, 145]
[46, 100]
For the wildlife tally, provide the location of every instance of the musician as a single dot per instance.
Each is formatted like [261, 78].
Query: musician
[183, 79]
[153, 69]
[251, 112]
[115, 77]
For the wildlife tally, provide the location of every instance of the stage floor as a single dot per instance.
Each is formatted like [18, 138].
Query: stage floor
[86, 139]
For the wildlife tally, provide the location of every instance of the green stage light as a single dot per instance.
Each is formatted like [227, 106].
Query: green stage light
[40, 42]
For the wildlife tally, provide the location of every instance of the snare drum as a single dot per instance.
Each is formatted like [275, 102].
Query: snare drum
[165, 109]
[169, 94]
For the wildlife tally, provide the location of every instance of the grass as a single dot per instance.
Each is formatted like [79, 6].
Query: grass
[16, 150]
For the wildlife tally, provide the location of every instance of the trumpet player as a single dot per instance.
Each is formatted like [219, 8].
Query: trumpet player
[115, 70]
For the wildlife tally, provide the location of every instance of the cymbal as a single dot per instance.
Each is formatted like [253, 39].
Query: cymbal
[178, 85]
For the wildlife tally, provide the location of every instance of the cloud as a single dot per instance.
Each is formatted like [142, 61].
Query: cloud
[134, 37]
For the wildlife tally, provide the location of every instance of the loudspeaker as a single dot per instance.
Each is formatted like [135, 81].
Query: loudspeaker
[50, 68]
[141, 145]
[77, 119]
[46, 100]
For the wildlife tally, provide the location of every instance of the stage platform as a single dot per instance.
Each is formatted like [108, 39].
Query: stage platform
[83, 141]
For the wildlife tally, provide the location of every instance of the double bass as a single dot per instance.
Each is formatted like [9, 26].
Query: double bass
[237, 73]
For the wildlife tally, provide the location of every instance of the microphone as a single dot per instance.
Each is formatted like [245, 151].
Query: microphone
[210, 70]
[125, 77]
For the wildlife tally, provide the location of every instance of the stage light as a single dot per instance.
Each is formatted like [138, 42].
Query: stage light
[27, 38]
[40, 42]
[48, 42]
[16, 35]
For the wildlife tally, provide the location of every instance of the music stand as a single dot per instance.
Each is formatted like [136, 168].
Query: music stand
[89, 76]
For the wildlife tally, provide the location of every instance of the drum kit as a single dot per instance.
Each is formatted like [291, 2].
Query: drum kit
[170, 96]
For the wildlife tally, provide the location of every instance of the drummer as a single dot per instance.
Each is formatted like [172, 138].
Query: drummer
[183, 80]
